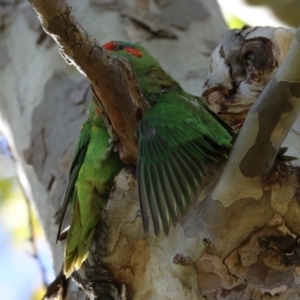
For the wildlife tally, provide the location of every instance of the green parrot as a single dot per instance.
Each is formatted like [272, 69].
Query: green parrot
[93, 169]
[178, 136]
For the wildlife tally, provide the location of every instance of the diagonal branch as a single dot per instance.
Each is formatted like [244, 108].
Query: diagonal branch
[111, 79]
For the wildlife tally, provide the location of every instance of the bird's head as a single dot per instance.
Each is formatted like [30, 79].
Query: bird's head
[142, 63]
[137, 56]
[134, 53]
[152, 79]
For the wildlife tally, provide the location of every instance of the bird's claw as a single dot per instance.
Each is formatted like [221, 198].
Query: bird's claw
[113, 145]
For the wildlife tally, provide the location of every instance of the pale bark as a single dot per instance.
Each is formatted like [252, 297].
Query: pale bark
[254, 245]
[43, 103]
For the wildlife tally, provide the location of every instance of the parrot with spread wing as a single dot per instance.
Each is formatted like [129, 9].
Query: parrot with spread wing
[93, 169]
[178, 136]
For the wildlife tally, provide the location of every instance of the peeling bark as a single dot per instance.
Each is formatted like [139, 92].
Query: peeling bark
[263, 259]
[241, 67]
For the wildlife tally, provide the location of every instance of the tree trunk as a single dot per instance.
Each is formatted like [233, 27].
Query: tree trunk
[213, 252]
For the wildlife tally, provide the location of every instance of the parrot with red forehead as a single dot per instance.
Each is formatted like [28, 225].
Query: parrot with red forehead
[92, 172]
[178, 136]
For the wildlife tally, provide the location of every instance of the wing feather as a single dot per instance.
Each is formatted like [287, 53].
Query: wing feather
[150, 195]
[175, 144]
[176, 186]
[159, 199]
[141, 173]
[167, 193]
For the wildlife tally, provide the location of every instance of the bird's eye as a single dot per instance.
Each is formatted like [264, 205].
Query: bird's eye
[121, 47]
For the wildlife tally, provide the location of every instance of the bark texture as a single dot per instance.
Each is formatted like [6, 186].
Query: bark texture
[260, 256]
[44, 102]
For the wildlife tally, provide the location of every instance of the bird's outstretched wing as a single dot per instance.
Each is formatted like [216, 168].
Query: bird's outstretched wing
[176, 140]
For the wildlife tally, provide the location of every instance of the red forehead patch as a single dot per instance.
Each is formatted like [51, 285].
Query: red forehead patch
[110, 46]
[134, 51]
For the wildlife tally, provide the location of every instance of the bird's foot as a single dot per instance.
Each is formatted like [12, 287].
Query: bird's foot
[113, 145]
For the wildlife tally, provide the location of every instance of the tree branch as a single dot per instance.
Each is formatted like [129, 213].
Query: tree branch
[123, 104]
